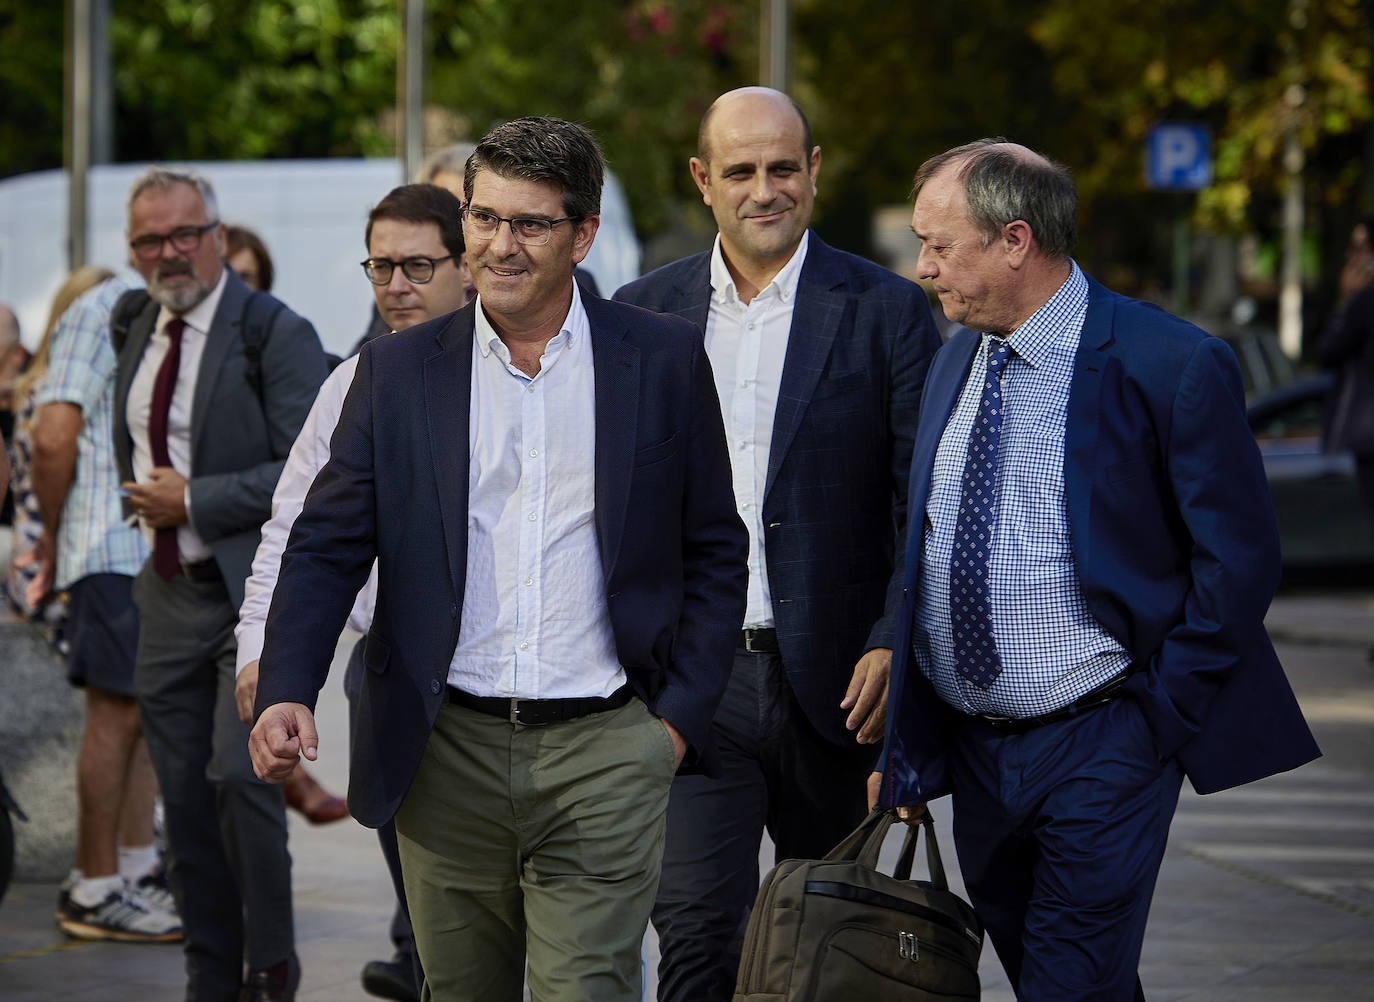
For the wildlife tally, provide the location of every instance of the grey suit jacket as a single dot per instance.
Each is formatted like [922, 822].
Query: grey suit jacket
[239, 442]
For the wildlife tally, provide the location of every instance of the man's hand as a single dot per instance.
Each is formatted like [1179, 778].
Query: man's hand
[911, 815]
[246, 691]
[866, 696]
[44, 554]
[161, 500]
[282, 734]
[679, 742]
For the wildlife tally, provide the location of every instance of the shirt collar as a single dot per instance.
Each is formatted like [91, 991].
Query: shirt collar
[574, 325]
[202, 315]
[784, 282]
[1035, 340]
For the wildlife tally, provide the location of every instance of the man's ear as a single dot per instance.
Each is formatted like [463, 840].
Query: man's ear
[1017, 241]
[701, 174]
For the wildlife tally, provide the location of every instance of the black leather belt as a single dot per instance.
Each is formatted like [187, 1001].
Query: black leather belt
[202, 571]
[1093, 698]
[760, 641]
[539, 712]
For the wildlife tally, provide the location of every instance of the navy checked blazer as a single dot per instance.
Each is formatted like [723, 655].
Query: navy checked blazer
[834, 505]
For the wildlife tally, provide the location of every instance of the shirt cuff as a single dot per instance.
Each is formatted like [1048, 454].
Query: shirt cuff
[250, 637]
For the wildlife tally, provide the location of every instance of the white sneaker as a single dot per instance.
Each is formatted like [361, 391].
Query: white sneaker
[124, 916]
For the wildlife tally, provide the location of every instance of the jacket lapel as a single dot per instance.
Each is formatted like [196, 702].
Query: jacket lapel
[1081, 422]
[616, 371]
[448, 396]
[224, 331]
[693, 293]
[817, 313]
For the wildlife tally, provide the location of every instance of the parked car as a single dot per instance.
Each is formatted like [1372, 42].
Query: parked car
[1323, 524]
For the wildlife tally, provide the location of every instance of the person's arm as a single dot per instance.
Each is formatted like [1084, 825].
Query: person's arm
[1217, 480]
[309, 453]
[1349, 330]
[914, 346]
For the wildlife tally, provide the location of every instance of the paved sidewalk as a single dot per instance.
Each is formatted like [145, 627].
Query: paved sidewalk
[1267, 892]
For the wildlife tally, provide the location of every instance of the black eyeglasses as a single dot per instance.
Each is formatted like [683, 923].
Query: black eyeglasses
[418, 269]
[184, 239]
[526, 229]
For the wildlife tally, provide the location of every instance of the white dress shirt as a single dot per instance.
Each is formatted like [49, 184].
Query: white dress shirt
[535, 623]
[139, 405]
[747, 345]
[308, 455]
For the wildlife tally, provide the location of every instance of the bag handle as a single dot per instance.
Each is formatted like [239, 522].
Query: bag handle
[865, 843]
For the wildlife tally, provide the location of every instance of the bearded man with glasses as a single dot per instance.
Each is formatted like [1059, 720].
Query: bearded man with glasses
[561, 576]
[199, 441]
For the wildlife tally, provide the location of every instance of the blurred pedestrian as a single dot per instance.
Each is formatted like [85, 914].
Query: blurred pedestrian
[544, 482]
[1347, 347]
[1090, 556]
[119, 887]
[819, 357]
[212, 384]
[417, 272]
[13, 358]
[247, 257]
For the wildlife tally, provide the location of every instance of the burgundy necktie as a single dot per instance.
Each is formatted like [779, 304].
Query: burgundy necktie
[165, 557]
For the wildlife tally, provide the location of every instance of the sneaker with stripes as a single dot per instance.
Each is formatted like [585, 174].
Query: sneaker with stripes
[124, 915]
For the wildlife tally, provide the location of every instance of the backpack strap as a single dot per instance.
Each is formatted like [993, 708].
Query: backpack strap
[128, 308]
[255, 324]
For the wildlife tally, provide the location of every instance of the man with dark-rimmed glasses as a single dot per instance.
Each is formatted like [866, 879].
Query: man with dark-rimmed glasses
[415, 263]
[561, 576]
[211, 386]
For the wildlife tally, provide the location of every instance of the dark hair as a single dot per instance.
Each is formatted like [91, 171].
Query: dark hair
[704, 147]
[1002, 184]
[546, 150]
[422, 203]
[238, 238]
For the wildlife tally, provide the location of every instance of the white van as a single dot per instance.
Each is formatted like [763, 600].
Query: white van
[310, 214]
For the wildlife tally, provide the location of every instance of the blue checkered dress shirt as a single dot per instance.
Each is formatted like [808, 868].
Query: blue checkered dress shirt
[1052, 650]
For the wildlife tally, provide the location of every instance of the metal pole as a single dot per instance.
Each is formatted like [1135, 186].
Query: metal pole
[102, 86]
[1290, 281]
[1181, 261]
[774, 32]
[410, 86]
[78, 126]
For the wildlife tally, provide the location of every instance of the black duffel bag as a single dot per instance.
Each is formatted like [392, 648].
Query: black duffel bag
[837, 930]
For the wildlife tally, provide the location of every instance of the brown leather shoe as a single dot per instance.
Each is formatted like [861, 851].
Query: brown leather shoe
[318, 805]
[277, 983]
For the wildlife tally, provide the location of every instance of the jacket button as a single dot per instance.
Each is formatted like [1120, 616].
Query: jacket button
[434, 686]
[452, 611]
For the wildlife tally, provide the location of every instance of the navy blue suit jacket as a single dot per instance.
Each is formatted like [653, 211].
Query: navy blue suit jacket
[673, 549]
[834, 499]
[1175, 542]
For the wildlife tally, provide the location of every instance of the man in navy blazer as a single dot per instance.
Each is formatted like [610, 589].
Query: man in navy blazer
[561, 575]
[1091, 554]
[819, 358]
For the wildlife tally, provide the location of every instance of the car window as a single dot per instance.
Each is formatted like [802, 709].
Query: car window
[1301, 420]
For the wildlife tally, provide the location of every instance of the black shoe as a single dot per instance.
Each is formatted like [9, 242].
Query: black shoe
[277, 983]
[391, 979]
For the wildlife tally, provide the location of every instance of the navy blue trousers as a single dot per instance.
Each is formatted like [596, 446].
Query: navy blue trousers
[1060, 834]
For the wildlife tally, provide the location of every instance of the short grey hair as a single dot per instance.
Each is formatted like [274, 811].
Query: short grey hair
[450, 159]
[162, 178]
[1002, 185]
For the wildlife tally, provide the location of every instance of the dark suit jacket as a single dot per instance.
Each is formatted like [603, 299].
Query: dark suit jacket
[835, 496]
[239, 442]
[1176, 546]
[396, 487]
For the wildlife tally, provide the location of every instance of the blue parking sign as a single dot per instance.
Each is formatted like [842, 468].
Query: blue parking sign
[1178, 156]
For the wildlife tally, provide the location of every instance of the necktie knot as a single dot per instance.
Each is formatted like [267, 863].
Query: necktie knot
[999, 353]
[174, 328]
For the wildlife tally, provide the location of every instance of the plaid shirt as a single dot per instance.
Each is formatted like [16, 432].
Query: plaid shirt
[92, 537]
[1052, 649]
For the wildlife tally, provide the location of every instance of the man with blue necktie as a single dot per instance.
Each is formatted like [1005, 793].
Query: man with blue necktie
[1090, 555]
